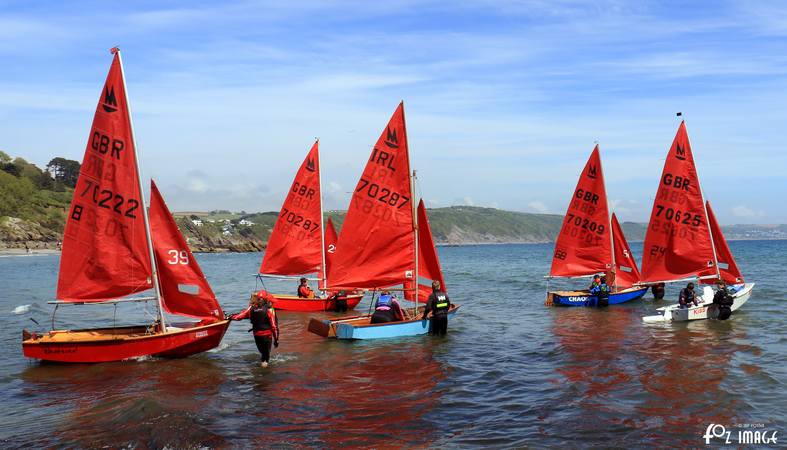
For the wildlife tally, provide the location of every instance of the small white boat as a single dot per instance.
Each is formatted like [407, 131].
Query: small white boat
[705, 310]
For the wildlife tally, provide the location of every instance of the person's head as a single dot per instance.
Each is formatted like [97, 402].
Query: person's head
[596, 278]
[262, 298]
[435, 285]
[690, 286]
[304, 280]
[721, 284]
[603, 280]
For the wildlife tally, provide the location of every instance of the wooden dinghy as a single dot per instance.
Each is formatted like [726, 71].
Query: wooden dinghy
[386, 241]
[301, 243]
[684, 240]
[591, 242]
[113, 248]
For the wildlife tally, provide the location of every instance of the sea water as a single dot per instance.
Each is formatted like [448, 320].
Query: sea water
[510, 373]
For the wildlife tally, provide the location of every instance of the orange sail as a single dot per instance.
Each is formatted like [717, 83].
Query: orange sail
[428, 262]
[626, 272]
[294, 247]
[677, 242]
[330, 243]
[376, 247]
[584, 245]
[728, 269]
[184, 289]
[105, 253]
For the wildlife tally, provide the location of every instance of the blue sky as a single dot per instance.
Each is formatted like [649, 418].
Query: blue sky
[504, 99]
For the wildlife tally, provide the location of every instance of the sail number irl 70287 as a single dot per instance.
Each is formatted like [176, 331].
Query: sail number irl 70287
[382, 194]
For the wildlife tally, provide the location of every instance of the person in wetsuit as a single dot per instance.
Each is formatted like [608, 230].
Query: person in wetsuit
[340, 300]
[438, 304]
[687, 296]
[601, 292]
[264, 324]
[304, 291]
[387, 309]
[723, 300]
[658, 291]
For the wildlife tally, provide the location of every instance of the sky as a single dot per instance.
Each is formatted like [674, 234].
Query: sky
[504, 99]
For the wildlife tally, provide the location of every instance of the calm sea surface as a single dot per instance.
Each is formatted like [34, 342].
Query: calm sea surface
[511, 373]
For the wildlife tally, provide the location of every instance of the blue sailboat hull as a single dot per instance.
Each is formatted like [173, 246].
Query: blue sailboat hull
[583, 298]
[359, 327]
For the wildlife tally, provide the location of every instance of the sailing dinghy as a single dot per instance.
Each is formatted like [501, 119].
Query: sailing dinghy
[113, 249]
[299, 243]
[592, 242]
[385, 242]
[684, 241]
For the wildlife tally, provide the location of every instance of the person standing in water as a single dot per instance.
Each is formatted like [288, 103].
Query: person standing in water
[438, 304]
[264, 324]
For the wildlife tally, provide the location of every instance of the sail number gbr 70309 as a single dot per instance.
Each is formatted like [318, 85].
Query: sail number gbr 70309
[382, 194]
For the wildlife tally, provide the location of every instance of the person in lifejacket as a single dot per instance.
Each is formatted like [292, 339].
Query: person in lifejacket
[658, 291]
[340, 300]
[601, 292]
[264, 324]
[387, 309]
[723, 300]
[596, 281]
[687, 296]
[304, 291]
[438, 304]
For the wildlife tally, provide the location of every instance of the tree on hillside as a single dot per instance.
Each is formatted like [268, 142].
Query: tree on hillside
[4, 158]
[64, 170]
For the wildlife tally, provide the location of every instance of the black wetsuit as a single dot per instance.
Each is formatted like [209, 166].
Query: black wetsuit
[658, 291]
[723, 300]
[439, 304]
[265, 325]
[686, 297]
[340, 300]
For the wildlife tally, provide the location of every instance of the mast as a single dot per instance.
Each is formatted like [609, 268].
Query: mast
[707, 219]
[145, 218]
[414, 206]
[609, 222]
[322, 222]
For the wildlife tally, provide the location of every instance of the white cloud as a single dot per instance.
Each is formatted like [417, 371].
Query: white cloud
[746, 212]
[538, 207]
[468, 201]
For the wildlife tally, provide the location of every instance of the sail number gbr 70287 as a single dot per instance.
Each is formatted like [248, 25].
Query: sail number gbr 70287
[382, 194]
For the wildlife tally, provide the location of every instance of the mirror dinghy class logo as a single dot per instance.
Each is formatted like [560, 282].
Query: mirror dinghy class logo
[109, 103]
[592, 172]
[310, 165]
[680, 153]
[390, 138]
[747, 433]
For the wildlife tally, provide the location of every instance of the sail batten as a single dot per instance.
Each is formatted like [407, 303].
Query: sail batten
[295, 244]
[677, 242]
[584, 245]
[105, 251]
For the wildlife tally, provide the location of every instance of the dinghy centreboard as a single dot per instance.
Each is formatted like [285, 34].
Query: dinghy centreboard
[385, 242]
[591, 242]
[684, 241]
[300, 244]
[113, 249]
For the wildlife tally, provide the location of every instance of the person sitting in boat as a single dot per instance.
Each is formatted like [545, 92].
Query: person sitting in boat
[601, 292]
[304, 291]
[387, 309]
[658, 291]
[340, 300]
[438, 304]
[687, 296]
[264, 324]
[723, 300]
[596, 281]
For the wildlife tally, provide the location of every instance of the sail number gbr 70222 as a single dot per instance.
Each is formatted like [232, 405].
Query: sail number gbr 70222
[382, 194]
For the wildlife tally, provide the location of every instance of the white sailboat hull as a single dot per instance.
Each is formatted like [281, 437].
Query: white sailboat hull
[705, 310]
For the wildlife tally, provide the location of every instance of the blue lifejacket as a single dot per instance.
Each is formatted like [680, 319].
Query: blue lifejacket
[385, 301]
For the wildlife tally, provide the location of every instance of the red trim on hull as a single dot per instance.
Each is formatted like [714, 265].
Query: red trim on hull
[175, 344]
[291, 303]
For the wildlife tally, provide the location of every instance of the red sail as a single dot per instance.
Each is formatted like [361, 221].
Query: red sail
[330, 248]
[294, 244]
[584, 246]
[677, 243]
[727, 267]
[626, 272]
[184, 289]
[105, 253]
[376, 246]
[428, 262]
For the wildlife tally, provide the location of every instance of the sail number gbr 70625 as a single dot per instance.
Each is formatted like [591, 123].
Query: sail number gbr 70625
[382, 194]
